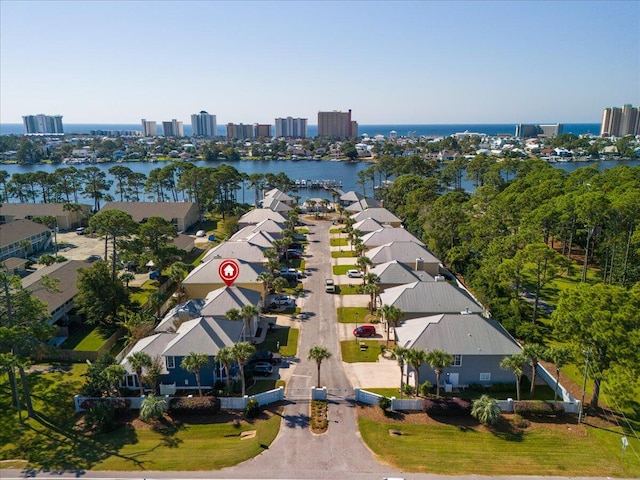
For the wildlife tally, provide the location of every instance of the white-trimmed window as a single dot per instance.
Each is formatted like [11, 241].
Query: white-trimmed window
[457, 361]
[171, 362]
[485, 377]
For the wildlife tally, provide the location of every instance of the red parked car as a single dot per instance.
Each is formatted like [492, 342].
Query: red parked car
[365, 331]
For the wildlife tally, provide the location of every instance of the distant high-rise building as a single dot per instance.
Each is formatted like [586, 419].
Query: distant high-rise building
[531, 130]
[204, 125]
[618, 122]
[337, 125]
[174, 128]
[149, 128]
[291, 127]
[262, 130]
[239, 131]
[43, 124]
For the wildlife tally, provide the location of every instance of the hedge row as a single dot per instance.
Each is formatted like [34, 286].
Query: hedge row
[194, 405]
[447, 406]
[116, 403]
[525, 408]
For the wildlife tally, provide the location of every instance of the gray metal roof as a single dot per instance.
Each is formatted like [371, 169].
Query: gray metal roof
[244, 250]
[204, 335]
[381, 215]
[429, 298]
[457, 334]
[367, 225]
[386, 235]
[406, 252]
[221, 300]
[399, 273]
[363, 204]
[207, 272]
[258, 215]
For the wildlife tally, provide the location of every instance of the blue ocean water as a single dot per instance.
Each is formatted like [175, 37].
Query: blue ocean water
[435, 130]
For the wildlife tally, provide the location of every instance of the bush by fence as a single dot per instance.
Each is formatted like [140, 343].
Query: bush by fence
[200, 405]
[531, 408]
[447, 406]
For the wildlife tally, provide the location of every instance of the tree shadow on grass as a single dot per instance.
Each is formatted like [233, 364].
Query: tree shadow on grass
[505, 430]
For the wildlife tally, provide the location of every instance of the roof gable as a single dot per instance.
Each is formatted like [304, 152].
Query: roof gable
[429, 297]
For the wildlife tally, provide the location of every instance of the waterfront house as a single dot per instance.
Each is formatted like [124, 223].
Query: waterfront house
[477, 344]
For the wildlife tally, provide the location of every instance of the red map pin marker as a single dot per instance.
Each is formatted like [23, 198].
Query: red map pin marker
[228, 271]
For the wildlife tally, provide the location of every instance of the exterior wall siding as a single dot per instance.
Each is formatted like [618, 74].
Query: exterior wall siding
[470, 370]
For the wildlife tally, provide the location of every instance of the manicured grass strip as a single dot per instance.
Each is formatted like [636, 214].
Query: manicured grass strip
[338, 242]
[352, 314]
[342, 269]
[78, 336]
[142, 294]
[335, 230]
[288, 338]
[91, 342]
[351, 352]
[342, 254]
[453, 450]
[351, 289]
[190, 448]
[387, 392]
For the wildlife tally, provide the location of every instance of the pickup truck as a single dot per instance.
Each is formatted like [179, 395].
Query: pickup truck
[330, 286]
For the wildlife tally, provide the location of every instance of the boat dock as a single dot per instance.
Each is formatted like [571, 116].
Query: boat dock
[317, 184]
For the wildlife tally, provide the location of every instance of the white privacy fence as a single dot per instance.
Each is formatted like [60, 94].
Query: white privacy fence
[227, 403]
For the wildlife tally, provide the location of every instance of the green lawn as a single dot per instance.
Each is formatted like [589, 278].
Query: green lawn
[350, 289]
[338, 242]
[346, 254]
[78, 335]
[50, 440]
[387, 392]
[352, 314]
[142, 294]
[342, 269]
[351, 352]
[288, 338]
[92, 341]
[335, 230]
[455, 450]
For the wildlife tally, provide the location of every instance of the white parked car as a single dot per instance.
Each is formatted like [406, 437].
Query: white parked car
[354, 273]
[200, 233]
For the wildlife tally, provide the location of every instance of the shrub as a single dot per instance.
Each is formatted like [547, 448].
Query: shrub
[520, 422]
[384, 403]
[501, 387]
[101, 417]
[408, 390]
[118, 404]
[486, 410]
[252, 410]
[476, 387]
[152, 407]
[425, 388]
[528, 408]
[447, 406]
[201, 405]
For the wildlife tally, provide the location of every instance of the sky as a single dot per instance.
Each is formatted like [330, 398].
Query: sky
[390, 62]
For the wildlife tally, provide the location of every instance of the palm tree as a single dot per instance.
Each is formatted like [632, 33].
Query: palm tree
[233, 314]
[400, 354]
[242, 351]
[363, 264]
[533, 352]
[225, 357]
[439, 360]
[372, 290]
[127, 277]
[113, 374]
[247, 313]
[318, 354]
[486, 410]
[138, 361]
[559, 356]
[192, 363]
[177, 272]
[514, 363]
[152, 407]
[312, 204]
[415, 358]
[392, 316]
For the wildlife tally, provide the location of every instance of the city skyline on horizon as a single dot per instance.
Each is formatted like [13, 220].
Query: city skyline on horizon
[390, 63]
